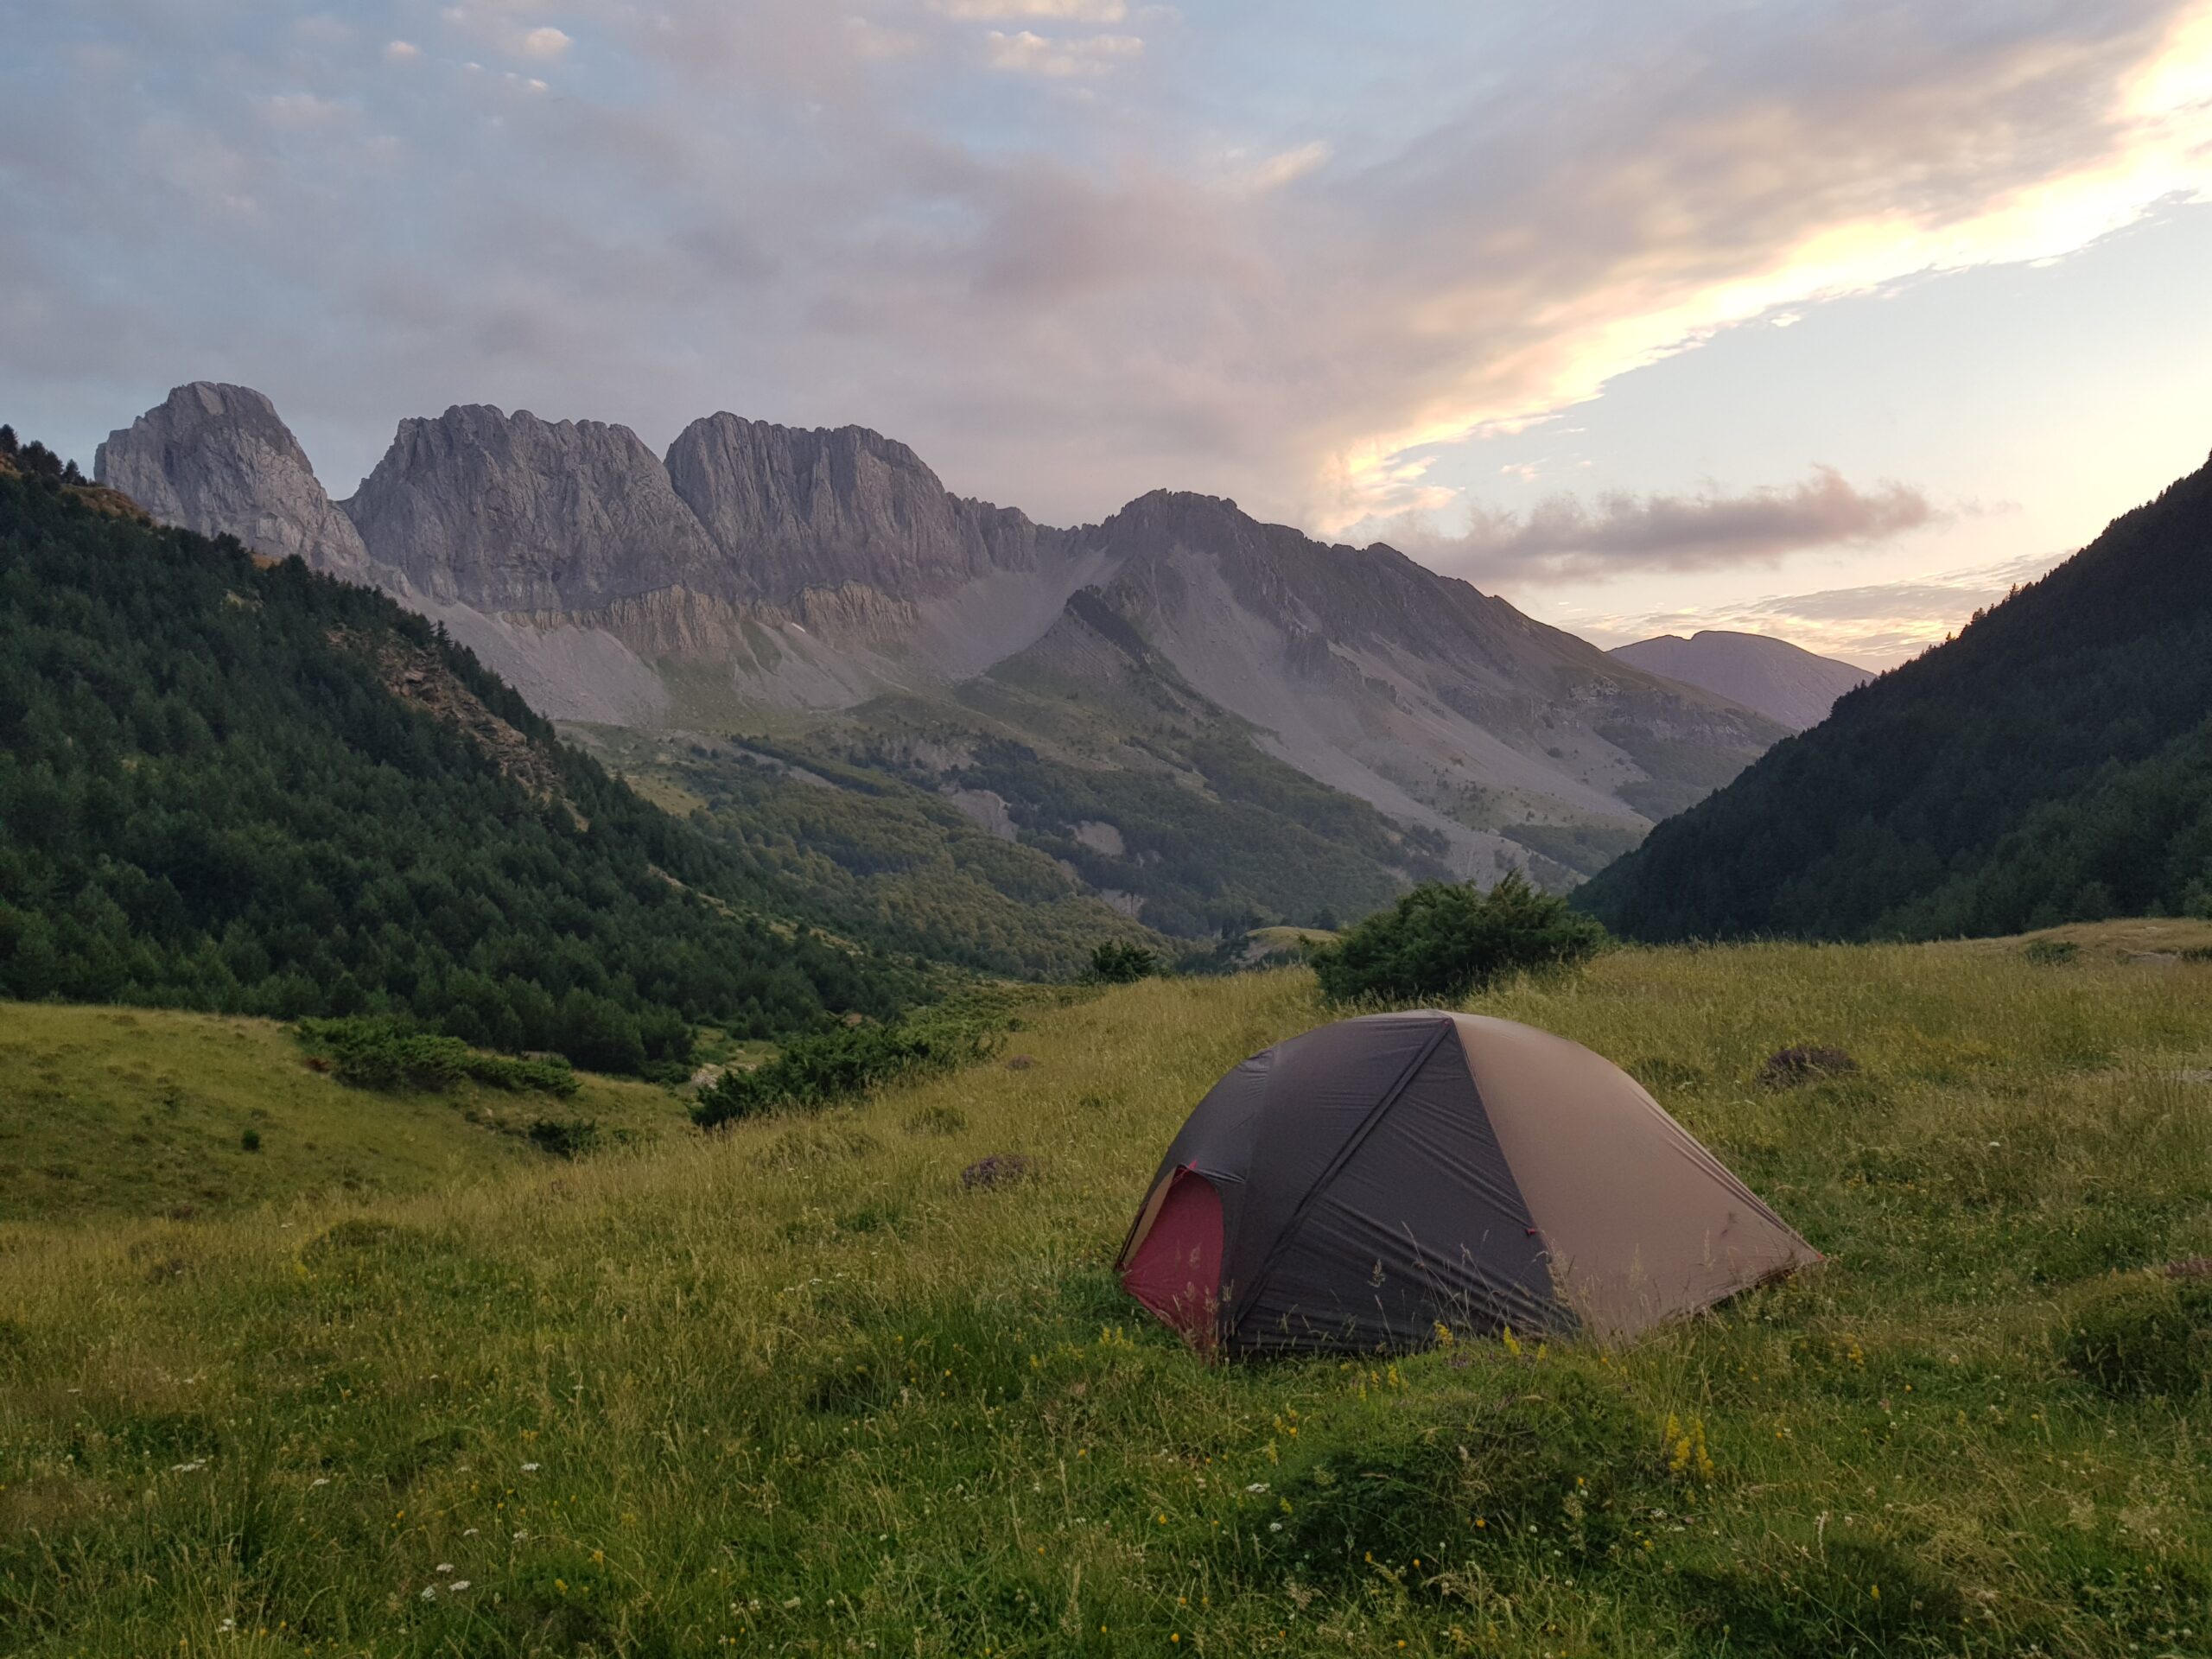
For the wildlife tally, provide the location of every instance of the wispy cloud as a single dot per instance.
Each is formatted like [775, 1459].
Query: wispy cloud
[1028, 53]
[1064, 11]
[1564, 539]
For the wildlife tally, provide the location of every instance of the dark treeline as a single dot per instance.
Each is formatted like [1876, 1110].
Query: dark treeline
[2051, 764]
[209, 798]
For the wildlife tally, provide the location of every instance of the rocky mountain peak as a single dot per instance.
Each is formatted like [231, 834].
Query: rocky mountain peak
[792, 508]
[513, 514]
[216, 458]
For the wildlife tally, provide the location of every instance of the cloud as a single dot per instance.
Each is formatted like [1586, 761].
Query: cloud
[1031, 54]
[878, 44]
[1060, 303]
[1561, 539]
[544, 43]
[1064, 11]
[1876, 625]
[401, 52]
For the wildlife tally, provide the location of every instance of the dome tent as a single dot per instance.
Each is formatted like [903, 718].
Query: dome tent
[1354, 1187]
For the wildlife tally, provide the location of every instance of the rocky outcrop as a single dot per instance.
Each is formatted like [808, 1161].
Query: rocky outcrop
[217, 459]
[792, 509]
[511, 513]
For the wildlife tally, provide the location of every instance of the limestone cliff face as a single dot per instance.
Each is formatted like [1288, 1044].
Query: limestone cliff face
[792, 509]
[511, 513]
[217, 459]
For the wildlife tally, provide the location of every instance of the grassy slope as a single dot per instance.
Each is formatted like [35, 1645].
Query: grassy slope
[794, 1390]
[116, 1114]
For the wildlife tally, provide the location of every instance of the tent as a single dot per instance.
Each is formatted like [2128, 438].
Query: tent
[1353, 1188]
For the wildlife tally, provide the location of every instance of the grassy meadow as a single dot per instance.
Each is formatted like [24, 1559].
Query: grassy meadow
[794, 1389]
[118, 1114]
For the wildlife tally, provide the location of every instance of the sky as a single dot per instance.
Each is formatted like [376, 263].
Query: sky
[1827, 320]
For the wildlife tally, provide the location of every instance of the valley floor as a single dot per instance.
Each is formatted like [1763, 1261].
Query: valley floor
[793, 1389]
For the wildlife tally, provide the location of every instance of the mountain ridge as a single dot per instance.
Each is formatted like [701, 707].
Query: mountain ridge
[798, 573]
[1791, 686]
[2050, 763]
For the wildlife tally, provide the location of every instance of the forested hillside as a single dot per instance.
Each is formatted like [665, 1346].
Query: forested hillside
[240, 785]
[2051, 764]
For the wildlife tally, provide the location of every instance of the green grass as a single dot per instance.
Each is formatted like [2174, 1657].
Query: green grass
[118, 1114]
[792, 1389]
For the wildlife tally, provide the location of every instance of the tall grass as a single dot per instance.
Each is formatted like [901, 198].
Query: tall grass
[791, 1388]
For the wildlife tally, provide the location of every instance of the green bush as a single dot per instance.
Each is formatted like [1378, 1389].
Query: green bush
[565, 1137]
[1116, 962]
[2050, 952]
[387, 1056]
[845, 1061]
[2141, 1333]
[1440, 941]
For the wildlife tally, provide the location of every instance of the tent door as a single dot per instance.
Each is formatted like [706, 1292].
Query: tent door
[1175, 1268]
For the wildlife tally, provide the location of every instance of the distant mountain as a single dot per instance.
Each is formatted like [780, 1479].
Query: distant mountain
[234, 784]
[2053, 763]
[1788, 684]
[758, 574]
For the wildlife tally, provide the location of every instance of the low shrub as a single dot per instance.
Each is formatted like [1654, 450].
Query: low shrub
[2141, 1334]
[845, 1061]
[999, 1169]
[1115, 963]
[1787, 1068]
[2050, 952]
[392, 1059]
[565, 1137]
[1440, 942]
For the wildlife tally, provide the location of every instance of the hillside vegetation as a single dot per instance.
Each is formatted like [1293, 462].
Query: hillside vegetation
[882, 859]
[796, 1388]
[242, 787]
[126, 1113]
[2052, 764]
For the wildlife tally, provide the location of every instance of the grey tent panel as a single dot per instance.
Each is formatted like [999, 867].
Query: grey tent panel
[1383, 1175]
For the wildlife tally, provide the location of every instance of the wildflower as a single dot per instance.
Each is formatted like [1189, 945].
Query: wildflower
[445, 1567]
[529, 1468]
[430, 1593]
[1257, 1486]
[320, 1480]
[1511, 1346]
[458, 1583]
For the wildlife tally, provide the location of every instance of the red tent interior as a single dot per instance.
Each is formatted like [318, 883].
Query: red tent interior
[1175, 1269]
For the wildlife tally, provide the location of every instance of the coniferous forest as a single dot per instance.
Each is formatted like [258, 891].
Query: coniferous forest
[2053, 763]
[236, 785]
